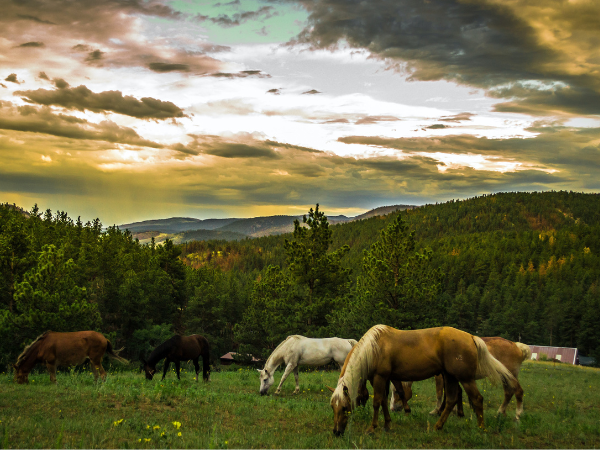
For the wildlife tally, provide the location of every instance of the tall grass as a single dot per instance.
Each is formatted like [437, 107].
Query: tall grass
[561, 410]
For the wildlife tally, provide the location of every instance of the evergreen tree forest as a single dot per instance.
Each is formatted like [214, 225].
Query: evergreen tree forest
[524, 266]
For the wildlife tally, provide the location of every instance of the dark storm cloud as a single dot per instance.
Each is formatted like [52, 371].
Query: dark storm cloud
[311, 92]
[274, 91]
[95, 55]
[244, 147]
[437, 126]
[571, 150]
[81, 98]
[43, 76]
[81, 48]
[168, 67]
[457, 117]
[368, 120]
[479, 43]
[12, 78]
[242, 74]
[34, 19]
[44, 120]
[226, 21]
[32, 44]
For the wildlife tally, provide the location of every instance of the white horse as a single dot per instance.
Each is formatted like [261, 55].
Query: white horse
[299, 350]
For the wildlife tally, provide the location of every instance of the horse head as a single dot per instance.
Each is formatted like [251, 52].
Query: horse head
[21, 376]
[266, 380]
[342, 408]
[149, 370]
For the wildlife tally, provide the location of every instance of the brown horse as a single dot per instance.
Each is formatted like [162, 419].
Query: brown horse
[385, 354]
[65, 349]
[511, 354]
[177, 349]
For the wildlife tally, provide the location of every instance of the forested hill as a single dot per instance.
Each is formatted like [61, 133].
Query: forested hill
[520, 265]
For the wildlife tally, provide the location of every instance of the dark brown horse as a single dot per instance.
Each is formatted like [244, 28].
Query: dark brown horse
[511, 354]
[65, 349]
[385, 354]
[177, 349]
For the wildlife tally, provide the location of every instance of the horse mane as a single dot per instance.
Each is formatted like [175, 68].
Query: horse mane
[284, 343]
[359, 363]
[23, 356]
[162, 350]
[524, 349]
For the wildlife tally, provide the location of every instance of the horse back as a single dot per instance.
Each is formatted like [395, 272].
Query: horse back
[72, 348]
[189, 347]
[505, 351]
[414, 355]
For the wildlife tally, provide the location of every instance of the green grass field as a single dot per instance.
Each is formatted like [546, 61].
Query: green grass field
[561, 410]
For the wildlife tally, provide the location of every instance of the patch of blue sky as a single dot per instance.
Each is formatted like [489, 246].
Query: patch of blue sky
[281, 23]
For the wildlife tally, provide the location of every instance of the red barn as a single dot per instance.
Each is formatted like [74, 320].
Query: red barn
[562, 354]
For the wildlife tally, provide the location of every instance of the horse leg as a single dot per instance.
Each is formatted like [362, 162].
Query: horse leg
[439, 393]
[519, 396]
[297, 380]
[451, 388]
[197, 367]
[96, 363]
[407, 389]
[401, 395]
[167, 362]
[51, 366]
[363, 394]
[379, 396]
[177, 368]
[459, 404]
[287, 372]
[476, 400]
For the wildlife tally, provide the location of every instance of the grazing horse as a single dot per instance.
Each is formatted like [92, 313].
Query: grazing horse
[511, 354]
[302, 351]
[177, 349]
[386, 354]
[65, 349]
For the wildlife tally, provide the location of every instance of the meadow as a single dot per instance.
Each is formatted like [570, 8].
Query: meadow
[127, 411]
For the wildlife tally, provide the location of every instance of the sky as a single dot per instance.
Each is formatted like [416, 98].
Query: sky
[129, 110]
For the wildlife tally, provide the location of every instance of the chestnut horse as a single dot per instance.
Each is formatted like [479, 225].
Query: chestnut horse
[65, 349]
[386, 354]
[177, 349]
[511, 354]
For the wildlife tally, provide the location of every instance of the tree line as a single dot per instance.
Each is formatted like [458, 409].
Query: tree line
[524, 266]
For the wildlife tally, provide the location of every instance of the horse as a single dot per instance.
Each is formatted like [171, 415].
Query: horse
[65, 349]
[511, 354]
[176, 349]
[297, 351]
[386, 354]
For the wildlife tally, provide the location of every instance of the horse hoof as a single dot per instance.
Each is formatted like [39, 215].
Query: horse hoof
[371, 430]
[407, 411]
[434, 412]
[438, 427]
[460, 414]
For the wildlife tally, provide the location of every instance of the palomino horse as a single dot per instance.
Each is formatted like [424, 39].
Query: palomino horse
[302, 351]
[65, 349]
[177, 349]
[385, 354]
[511, 354]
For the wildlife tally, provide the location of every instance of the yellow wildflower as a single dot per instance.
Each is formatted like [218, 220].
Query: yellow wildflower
[147, 439]
[156, 427]
[179, 434]
[177, 425]
[117, 422]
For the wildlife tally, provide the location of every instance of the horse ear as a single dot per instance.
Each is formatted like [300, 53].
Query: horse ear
[330, 388]
[258, 370]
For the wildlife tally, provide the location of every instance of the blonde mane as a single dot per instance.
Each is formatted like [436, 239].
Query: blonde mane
[29, 349]
[360, 363]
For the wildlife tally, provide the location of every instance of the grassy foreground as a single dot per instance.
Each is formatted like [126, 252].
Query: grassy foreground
[561, 410]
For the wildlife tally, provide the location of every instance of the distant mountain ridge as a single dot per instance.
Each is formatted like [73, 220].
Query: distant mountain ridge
[185, 229]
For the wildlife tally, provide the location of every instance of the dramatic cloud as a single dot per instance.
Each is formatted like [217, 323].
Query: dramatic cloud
[81, 98]
[375, 119]
[484, 43]
[12, 78]
[242, 74]
[168, 67]
[44, 120]
[32, 44]
[237, 19]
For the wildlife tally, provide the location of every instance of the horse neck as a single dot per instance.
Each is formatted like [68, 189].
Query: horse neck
[31, 359]
[275, 359]
[159, 353]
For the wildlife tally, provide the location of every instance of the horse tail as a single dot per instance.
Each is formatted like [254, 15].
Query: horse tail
[205, 358]
[490, 367]
[353, 342]
[115, 354]
[524, 349]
